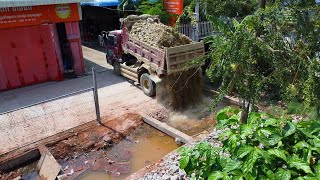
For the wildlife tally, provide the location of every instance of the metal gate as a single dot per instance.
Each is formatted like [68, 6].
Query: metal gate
[29, 55]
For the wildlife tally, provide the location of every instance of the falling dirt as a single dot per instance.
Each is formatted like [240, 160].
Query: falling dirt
[196, 118]
[181, 89]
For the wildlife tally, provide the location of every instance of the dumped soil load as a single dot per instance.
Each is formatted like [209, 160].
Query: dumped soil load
[180, 89]
[157, 34]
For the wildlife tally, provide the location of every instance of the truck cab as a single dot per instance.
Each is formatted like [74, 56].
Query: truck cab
[113, 46]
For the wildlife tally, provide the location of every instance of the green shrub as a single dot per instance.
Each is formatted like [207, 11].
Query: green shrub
[265, 148]
[302, 109]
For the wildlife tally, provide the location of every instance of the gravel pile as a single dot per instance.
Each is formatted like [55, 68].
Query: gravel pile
[157, 34]
[169, 168]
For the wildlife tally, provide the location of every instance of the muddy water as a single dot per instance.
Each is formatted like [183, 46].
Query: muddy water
[143, 147]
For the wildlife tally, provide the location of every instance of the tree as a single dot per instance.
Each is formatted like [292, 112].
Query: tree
[253, 52]
[154, 8]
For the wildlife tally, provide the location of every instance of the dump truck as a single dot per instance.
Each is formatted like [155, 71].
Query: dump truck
[145, 63]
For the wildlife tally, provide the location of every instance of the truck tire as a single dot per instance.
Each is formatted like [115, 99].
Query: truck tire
[116, 67]
[147, 85]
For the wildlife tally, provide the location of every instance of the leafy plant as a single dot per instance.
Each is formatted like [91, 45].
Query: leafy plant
[258, 49]
[265, 148]
[154, 8]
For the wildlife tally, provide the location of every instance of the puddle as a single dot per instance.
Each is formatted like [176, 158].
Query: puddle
[143, 147]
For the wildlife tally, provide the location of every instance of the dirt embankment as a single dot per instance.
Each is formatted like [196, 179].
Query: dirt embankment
[97, 137]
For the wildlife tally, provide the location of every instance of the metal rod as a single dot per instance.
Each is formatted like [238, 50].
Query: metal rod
[95, 94]
[48, 100]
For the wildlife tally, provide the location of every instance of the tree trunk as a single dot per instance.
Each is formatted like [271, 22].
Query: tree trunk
[263, 4]
[245, 111]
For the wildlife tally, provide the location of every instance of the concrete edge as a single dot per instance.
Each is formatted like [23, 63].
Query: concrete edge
[167, 129]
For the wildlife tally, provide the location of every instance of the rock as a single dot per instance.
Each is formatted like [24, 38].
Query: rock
[70, 173]
[66, 168]
[149, 176]
[110, 161]
[174, 177]
[175, 169]
[62, 177]
[129, 138]
[178, 141]
[165, 177]
[107, 139]
[50, 168]
[153, 176]
[18, 178]
[88, 145]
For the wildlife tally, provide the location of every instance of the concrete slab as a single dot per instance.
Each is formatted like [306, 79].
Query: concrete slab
[50, 168]
[167, 129]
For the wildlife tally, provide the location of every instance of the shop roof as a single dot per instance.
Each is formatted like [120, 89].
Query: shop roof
[102, 3]
[15, 3]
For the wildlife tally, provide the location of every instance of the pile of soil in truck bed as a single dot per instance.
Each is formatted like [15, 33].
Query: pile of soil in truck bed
[180, 89]
[158, 34]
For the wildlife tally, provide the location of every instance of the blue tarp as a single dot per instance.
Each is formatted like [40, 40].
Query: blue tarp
[101, 3]
[106, 3]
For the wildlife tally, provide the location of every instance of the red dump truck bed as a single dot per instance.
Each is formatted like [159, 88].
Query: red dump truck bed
[161, 61]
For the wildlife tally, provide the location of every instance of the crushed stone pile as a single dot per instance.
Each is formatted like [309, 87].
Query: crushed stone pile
[157, 34]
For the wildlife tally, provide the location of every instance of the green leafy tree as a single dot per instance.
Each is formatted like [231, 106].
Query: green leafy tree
[231, 8]
[154, 8]
[254, 52]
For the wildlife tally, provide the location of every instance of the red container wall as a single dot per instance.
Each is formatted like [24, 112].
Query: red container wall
[29, 55]
[73, 35]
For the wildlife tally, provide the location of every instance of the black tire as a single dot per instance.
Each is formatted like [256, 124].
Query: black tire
[147, 85]
[116, 67]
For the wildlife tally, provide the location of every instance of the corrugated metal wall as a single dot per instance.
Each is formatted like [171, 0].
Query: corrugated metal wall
[29, 55]
[73, 35]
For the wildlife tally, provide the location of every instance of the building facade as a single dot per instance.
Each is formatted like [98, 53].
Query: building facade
[39, 41]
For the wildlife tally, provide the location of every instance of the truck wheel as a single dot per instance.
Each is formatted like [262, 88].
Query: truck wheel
[147, 85]
[116, 68]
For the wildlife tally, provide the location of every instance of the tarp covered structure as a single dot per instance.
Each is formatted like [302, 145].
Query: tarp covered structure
[101, 3]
